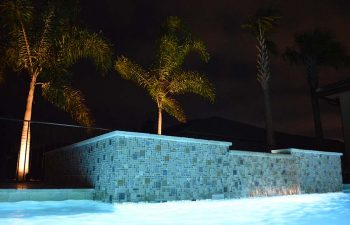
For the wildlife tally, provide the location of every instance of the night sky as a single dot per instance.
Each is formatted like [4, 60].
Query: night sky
[134, 26]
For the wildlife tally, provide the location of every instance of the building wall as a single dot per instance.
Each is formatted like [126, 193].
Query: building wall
[345, 111]
[125, 166]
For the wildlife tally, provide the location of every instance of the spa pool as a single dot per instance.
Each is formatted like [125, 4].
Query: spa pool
[318, 209]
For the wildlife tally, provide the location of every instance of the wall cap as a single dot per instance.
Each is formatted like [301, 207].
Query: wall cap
[260, 154]
[128, 134]
[303, 151]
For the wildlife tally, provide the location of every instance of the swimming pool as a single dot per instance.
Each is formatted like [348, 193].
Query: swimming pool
[333, 208]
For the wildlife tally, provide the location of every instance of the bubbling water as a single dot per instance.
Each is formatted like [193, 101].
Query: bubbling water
[320, 209]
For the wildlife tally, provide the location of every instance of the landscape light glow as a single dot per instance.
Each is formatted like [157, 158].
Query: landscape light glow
[24, 153]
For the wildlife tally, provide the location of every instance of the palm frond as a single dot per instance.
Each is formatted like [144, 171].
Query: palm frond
[172, 53]
[133, 72]
[11, 57]
[69, 100]
[58, 75]
[197, 46]
[156, 91]
[24, 55]
[166, 78]
[173, 24]
[17, 17]
[321, 47]
[174, 109]
[175, 45]
[192, 82]
[44, 46]
[168, 58]
[79, 43]
[16, 13]
[263, 22]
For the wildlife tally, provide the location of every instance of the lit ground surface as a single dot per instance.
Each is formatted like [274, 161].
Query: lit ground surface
[315, 209]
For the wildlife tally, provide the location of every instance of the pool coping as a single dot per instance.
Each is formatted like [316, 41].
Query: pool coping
[128, 134]
[16, 195]
[304, 151]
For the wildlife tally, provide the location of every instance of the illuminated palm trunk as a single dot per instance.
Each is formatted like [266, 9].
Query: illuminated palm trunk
[23, 158]
[159, 121]
[264, 79]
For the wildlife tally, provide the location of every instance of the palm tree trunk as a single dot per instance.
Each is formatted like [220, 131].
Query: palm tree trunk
[317, 118]
[270, 137]
[23, 159]
[159, 121]
[312, 78]
[263, 77]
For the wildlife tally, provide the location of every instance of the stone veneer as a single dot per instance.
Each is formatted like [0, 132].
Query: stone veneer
[318, 172]
[127, 166]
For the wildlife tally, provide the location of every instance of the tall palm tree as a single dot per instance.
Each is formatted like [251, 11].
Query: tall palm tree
[313, 50]
[261, 25]
[166, 78]
[44, 47]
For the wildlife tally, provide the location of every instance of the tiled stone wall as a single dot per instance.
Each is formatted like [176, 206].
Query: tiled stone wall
[254, 174]
[125, 166]
[318, 172]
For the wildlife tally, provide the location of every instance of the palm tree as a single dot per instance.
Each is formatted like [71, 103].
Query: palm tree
[44, 47]
[166, 78]
[313, 50]
[261, 25]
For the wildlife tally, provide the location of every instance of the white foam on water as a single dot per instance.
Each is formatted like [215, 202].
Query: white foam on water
[318, 209]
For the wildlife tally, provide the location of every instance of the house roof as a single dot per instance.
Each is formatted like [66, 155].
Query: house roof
[334, 89]
[246, 137]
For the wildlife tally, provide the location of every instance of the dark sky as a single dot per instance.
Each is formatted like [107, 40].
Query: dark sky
[134, 26]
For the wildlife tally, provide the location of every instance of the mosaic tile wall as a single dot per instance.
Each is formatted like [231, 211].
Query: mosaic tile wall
[318, 173]
[125, 166]
[256, 174]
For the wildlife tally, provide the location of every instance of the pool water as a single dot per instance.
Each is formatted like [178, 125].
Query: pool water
[315, 209]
